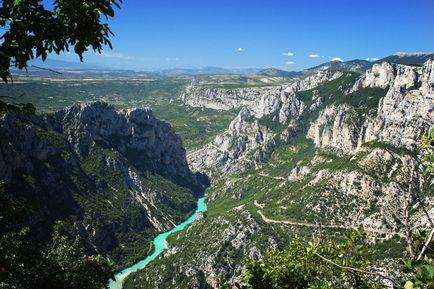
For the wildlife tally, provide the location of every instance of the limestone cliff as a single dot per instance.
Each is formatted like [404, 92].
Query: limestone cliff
[114, 177]
[402, 116]
[341, 153]
[231, 151]
[246, 141]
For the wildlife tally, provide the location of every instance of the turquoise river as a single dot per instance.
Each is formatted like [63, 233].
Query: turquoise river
[160, 245]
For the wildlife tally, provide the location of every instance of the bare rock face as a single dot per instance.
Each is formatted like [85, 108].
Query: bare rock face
[137, 131]
[229, 152]
[63, 162]
[407, 110]
[335, 127]
[260, 100]
[222, 99]
[403, 115]
[245, 141]
[298, 173]
[397, 76]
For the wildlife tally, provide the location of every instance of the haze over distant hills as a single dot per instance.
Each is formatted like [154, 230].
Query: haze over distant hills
[54, 68]
[415, 58]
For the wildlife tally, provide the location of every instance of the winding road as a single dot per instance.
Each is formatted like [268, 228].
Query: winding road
[314, 225]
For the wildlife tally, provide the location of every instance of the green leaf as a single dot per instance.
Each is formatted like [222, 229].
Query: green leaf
[409, 285]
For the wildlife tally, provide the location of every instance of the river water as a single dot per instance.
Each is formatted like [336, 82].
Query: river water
[160, 245]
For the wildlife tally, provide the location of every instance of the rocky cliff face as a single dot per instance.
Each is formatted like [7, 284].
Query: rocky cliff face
[402, 116]
[335, 128]
[341, 153]
[154, 143]
[247, 141]
[137, 132]
[119, 174]
[261, 101]
[407, 111]
[238, 147]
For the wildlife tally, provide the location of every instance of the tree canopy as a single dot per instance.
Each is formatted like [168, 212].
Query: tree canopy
[26, 264]
[33, 31]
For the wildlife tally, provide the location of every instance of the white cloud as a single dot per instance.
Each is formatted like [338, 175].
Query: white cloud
[314, 55]
[288, 53]
[239, 49]
[337, 59]
[372, 59]
[290, 62]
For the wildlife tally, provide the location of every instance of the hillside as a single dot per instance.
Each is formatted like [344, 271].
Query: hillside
[333, 151]
[328, 151]
[115, 178]
[356, 65]
[274, 72]
[417, 58]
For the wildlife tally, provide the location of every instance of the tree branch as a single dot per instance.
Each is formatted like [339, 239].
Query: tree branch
[425, 245]
[422, 204]
[48, 69]
[354, 269]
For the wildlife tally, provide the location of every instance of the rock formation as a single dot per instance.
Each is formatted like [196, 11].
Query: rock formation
[110, 175]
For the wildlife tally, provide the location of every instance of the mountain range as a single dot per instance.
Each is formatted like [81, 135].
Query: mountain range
[53, 67]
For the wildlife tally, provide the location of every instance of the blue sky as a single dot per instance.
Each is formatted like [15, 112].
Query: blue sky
[270, 33]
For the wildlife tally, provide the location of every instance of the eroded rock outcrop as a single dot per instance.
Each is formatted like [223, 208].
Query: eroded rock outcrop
[111, 175]
[335, 127]
[362, 170]
[407, 110]
[246, 140]
[260, 100]
[403, 114]
[230, 151]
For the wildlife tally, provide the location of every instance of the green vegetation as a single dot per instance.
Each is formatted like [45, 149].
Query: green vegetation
[320, 264]
[427, 144]
[92, 190]
[325, 264]
[196, 126]
[60, 264]
[334, 92]
[420, 269]
[49, 95]
[114, 204]
[33, 31]
[271, 121]
[421, 266]
[367, 98]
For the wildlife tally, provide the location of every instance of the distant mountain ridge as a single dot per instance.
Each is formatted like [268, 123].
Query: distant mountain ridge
[356, 65]
[274, 72]
[206, 70]
[78, 70]
[416, 58]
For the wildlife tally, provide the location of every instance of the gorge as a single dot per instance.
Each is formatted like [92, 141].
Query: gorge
[321, 152]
